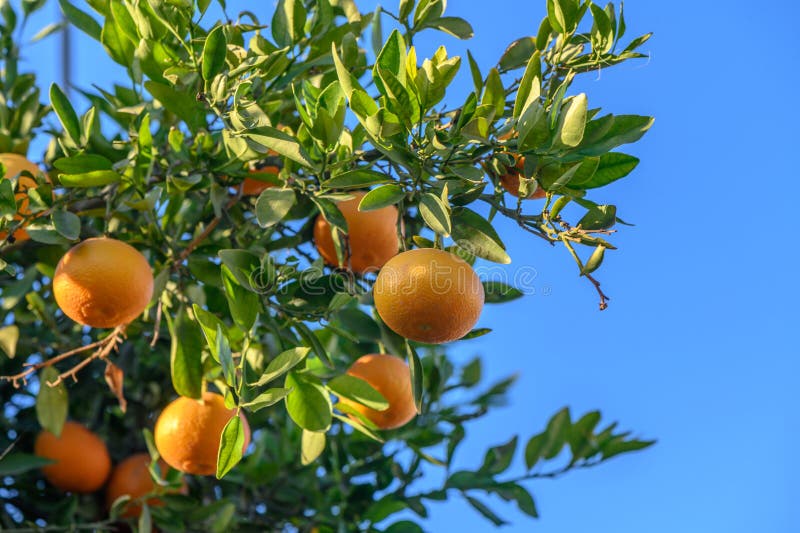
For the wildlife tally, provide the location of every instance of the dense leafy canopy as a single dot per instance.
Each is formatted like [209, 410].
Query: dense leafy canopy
[243, 303]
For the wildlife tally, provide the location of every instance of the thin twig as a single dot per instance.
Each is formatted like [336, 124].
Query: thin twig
[103, 349]
[603, 297]
[109, 344]
[204, 234]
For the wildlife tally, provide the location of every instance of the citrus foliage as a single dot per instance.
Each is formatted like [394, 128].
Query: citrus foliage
[242, 300]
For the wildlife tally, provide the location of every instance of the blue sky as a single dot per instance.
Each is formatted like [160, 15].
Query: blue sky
[696, 348]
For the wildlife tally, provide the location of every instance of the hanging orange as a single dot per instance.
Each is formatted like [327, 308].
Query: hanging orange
[510, 181]
[372, 236]
[103, 283]
[132, 478]
[390, 376]
[188, 432]
[14, 165]
[428, 295]
[82, 463]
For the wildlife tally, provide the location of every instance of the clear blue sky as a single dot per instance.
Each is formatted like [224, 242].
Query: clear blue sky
[696, 348]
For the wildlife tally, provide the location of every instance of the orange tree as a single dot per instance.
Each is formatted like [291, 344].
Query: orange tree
[136, 268]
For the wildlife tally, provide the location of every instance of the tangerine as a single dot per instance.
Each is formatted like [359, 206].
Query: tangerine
[103, 283]
[510, 181]
[188, 433]
[428, 295]
[14, 165]
[390, 376]
[372, 236]
[82, 463]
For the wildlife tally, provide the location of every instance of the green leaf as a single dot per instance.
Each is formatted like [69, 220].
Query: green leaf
[530, 87]
[517, 54]
[18, 463]
[616, 447]
[417, 375]
[595, 260]
[572, 121]
[81, 20]
[214, 50]
[81, 163]
[181, 103]
[210, 325]
[223, 350]
[384, 508]
[273, 205]
[9, 336]
[288, 22]
[66, 223]
[485, 511]
[499, 292]
[282, 364]
[382, 196]
[266, 399]
[494, 94]
[563, 15]
[622, 129]
[360, 324]
[404, 526]
[356, 179]
[186, 367]
[266, 138]
[95, 178]
[243, 304]
[312, 444]
[392, 58]
[455, 26]
[556, 434]
[353, 388]
[611, 167]
[599, 217]
[65, 113]
[498, 458]
[8, 202]
[434, 213]
[512, 491]
[52, 403]
[405, 8]
[242, 264]
[308, 404]
[311, 339]
[231, 446]
[476, 235]
[475, 71]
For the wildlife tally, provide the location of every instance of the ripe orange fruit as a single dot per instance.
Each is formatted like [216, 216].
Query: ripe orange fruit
[82, 461]
[132, 477]
[510, 181]
[390, 376]
[372, 236]
[188, 432]
[428, 295]
[254, 187]
[15, 164]
[103, 283]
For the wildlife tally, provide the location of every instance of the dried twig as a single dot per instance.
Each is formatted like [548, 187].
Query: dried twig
[102, 349]
[603, 297]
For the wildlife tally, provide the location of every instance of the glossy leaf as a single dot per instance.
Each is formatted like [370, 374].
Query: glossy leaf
[52, 403]
[230, 446]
